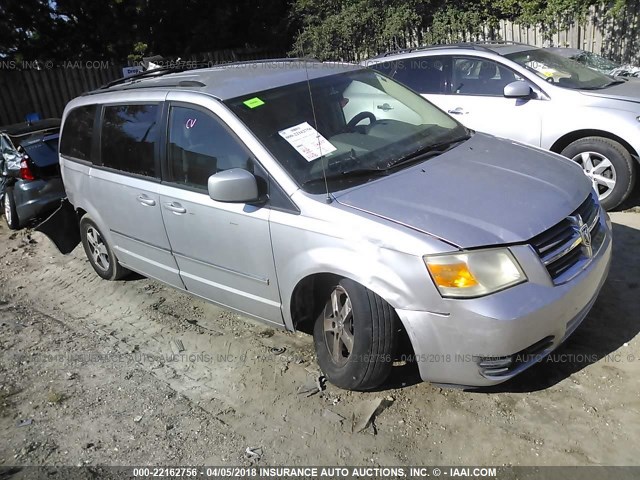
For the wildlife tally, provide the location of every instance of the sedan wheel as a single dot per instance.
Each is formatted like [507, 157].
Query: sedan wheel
[10, 213]
[600, 170]
[608, 165]
[7, 211]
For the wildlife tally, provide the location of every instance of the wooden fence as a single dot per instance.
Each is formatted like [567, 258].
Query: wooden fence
[617, 38]
[46, 87]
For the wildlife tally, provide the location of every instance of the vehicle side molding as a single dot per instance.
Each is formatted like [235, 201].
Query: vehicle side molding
[235, 185]
[518, 89]
[62, 227]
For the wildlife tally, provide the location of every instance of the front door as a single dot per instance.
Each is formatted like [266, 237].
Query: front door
[477, 100]
[223, 250]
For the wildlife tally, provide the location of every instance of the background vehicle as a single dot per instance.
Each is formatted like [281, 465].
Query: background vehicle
[533, 96]
[597, 62]
[32, 182]
[249, 186]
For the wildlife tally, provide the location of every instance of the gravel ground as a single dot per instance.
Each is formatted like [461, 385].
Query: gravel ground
[133, 372]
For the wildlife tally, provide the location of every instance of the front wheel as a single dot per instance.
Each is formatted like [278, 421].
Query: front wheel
[355, 337]
[99, 252]
[609, 166]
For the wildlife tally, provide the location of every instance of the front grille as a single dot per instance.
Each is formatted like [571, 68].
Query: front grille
[496, 367]
[561, 247]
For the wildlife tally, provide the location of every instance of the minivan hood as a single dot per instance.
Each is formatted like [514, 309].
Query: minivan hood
[487, 191]
[628, 91]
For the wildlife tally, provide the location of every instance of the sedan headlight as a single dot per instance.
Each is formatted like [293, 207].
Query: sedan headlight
[474, 273]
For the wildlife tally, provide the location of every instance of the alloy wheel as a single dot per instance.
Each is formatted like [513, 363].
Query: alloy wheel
[600, 171]
[338, 326]
[98, 249]
[7, 209]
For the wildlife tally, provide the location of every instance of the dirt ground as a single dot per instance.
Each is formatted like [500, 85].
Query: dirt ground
[136, 373]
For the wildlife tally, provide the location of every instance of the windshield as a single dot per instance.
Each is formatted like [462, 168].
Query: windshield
[561, 71]
[360, 125]
[596, 61]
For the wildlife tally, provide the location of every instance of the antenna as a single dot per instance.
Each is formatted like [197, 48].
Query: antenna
[315, 121]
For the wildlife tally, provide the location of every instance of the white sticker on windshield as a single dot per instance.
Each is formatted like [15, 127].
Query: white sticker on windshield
[307, 141]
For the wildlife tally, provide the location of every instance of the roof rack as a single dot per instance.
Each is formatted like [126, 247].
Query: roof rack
[479, 45]
[500, 42]
[181, 66]
[154, 72]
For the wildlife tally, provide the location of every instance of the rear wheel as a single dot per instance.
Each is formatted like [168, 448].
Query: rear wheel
[98, 251]
[609, 166]
[355, 337]
[10, 213]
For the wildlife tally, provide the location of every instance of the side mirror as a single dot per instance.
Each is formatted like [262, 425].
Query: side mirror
[517, 89]
[235, 185]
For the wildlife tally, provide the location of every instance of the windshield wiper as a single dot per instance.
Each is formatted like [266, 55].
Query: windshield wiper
[426, 152]
[347, 174]
[600, 87]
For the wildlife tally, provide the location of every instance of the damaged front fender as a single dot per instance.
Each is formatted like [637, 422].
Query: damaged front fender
[62, 227]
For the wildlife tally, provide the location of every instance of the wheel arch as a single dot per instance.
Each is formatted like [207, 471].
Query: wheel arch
[308, 296]
[94, 214]
[564, 141]
[397, 277]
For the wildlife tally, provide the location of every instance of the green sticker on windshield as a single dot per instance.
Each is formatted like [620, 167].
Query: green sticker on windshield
[253, 102]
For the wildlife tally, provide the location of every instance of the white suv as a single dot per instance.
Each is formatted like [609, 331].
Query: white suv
[534, 96]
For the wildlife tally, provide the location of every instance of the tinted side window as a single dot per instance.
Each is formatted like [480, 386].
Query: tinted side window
[129, 136]
[422, 74]
[77, 133]
[199, 146]
[474, 76]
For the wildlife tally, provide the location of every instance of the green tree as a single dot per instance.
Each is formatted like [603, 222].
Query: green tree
[115, 29]
[352, 29]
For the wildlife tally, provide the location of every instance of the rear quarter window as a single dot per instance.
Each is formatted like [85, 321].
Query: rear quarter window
[77, 133]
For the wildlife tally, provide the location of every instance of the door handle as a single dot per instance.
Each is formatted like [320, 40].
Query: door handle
[146, 201]
[385, 107]
[175, 208]
[457, 111]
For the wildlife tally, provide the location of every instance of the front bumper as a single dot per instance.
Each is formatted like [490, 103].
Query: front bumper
[470, 341]
[37, 197]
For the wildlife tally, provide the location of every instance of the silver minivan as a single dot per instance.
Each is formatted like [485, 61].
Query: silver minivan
[245, 185]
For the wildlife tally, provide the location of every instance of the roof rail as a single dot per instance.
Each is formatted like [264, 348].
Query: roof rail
[479, 45]
[181, 66]
[154, 72]
[270, 60]
[499, 42]
[433, 47]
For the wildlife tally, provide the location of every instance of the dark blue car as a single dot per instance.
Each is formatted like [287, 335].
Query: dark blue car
[31, 180]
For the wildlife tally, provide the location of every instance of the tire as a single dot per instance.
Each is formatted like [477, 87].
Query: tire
[372, 326]
[99, 252]
[9, 208]
[613, 182]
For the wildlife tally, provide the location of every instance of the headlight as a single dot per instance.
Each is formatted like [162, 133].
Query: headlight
[474, 273]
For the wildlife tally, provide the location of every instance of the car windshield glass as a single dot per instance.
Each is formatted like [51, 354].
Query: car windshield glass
[357, 126]
[43, 152]
[561, 71]
[596, 61]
